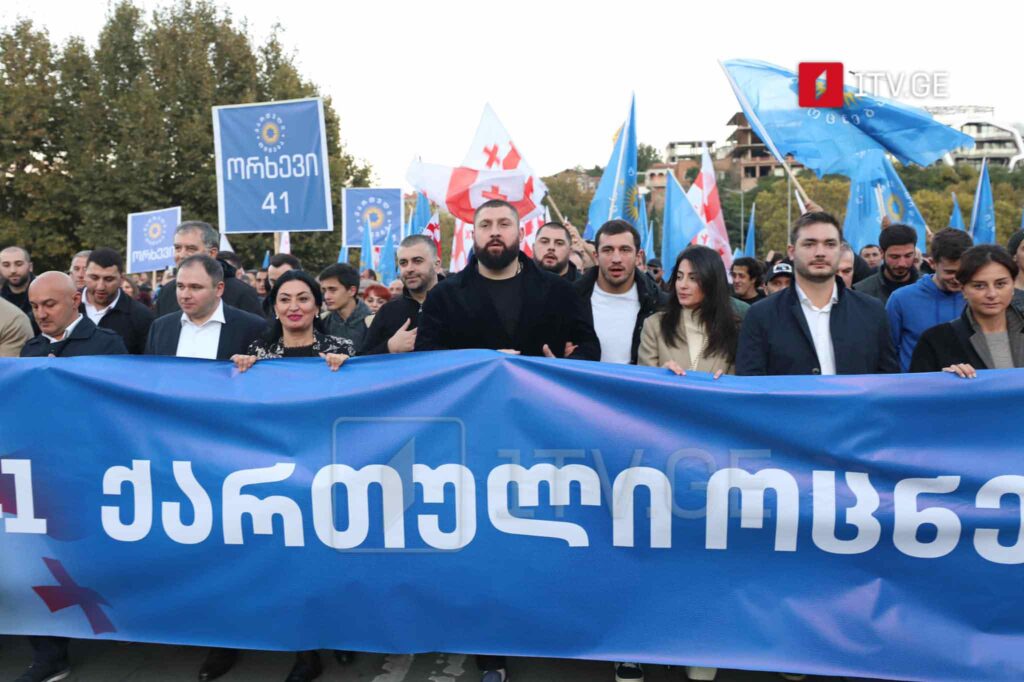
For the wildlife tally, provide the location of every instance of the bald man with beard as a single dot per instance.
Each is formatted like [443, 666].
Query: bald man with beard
[65, 332]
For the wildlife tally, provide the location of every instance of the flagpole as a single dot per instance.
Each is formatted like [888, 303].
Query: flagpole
[745, 105]
[277, 242]
[554, 207]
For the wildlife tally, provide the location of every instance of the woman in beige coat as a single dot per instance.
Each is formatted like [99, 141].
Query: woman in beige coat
[699, 329]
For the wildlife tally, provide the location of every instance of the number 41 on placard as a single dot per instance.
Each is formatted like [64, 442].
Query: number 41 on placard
[270, 205]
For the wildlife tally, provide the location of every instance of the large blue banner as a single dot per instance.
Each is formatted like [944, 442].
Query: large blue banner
[151, 239]
[272, 169]
[381, 208]
[475, 502]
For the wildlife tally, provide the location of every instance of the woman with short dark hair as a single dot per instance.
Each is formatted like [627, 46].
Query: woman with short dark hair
[296, 333]
[700, 328]
[990, 332]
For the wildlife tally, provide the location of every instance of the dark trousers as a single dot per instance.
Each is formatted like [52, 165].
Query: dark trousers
[49, 649]
[490, 662]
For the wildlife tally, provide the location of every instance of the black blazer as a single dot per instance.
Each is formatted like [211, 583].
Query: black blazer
[775, 338]
[950, 344]
[458, 313]
[238, 331]
[85, 339]
[129, 318]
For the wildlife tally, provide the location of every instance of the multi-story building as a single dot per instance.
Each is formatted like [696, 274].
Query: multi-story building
[997, 140]
[748, 159]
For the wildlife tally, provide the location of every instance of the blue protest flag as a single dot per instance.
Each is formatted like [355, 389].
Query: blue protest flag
[266, 259]
[420, 215]
[828, 140]
[1022, 220]
[877, 176]
[272, 173]
[343, 254]
[956, 219]
[644, 227]
[380, 207]
[150, 240]
[750, 246]
[387, 267]
[616, 194]
[679, 226]
[366, 249]
[983, 214]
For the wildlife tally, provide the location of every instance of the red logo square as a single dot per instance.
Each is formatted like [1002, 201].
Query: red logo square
[821, 84]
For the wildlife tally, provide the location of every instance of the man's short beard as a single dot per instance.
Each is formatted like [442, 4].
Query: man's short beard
[558, 268]
[812, 277]
[499, 261]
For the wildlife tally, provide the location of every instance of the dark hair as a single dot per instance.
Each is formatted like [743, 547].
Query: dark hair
[1014, 243]
[274, 330]
[949, 244]
[897, 235]
[378, 290]
[343, 272]
[753, 266]
[614, 227]
[556, 226]
[495, 203]
[24, 252]
[214, 269]
[977, 257]
[813, 218]
[869, 246]
[414, 239]
[721, 324]
[106, 258]
[209, 235]
[279, 259]
[231, 257]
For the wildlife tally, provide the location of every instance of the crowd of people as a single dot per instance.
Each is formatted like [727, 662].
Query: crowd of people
[817, 309]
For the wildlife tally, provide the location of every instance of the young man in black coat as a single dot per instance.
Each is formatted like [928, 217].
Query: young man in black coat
[65, 333]
[394, 326]
[503, 301]
[817, 325]
[193, 238]
[107, 306]
[207, 327]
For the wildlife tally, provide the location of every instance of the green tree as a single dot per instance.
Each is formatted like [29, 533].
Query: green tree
[645, 156]
[573, 202]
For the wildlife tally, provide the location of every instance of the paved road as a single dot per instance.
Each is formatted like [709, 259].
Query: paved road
[121, 662]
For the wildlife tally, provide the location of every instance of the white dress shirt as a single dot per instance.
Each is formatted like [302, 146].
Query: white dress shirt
[94, 313]
[67, 331]
[818, 322]
[201, 341]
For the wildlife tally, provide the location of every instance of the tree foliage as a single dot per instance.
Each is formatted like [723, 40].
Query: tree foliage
[88, 136]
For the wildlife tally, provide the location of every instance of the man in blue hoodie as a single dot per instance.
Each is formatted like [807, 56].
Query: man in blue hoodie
[930, 300]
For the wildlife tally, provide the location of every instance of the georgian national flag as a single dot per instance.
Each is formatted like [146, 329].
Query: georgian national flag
[462, 190]
[462, 245]
[433, 230]
[709, 209]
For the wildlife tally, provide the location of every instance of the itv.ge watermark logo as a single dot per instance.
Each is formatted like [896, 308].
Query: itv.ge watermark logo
[821, 85]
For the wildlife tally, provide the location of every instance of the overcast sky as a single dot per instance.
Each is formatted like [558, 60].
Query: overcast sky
[411, 78]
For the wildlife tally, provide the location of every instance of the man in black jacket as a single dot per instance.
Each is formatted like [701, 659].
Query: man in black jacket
[616, 297]
[193, 238]
[107, 306]
[899, 245]
[16, 276]
[394, 326]
[816, 326]
[501, 300]
[551, 249]
[207, 327]
[65, 333]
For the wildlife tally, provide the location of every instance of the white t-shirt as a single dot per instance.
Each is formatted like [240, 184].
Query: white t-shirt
[614, 320]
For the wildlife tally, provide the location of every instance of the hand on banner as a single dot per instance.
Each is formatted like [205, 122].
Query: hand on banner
[509, 351]
[334, 360]
[570, 348]
[404, 340]
[674, 367]
[964, 371]
[243, 362]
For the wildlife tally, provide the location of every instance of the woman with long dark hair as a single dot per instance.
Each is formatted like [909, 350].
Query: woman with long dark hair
[297, 331]
[989, 334]
[700, 328]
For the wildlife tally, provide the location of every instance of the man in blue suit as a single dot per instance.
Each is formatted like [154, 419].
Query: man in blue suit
[205, 327]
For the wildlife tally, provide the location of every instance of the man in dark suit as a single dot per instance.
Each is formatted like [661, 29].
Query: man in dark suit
[816, 326]
[194, 238]
[207, 327]
[107, 306]
[65, 333]
[501, 300]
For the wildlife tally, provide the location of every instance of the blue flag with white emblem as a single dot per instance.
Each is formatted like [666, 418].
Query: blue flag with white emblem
[616, 194]
[750, 246]
[983, 215]
[380, 208]
[956, 219]
[151, 239]
[828, 140]
[679, 225]
[877, 181]
[272, 173]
